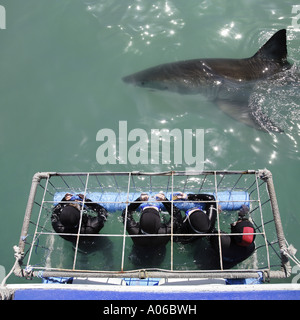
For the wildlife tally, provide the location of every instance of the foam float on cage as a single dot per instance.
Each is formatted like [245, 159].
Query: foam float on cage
[116, 201]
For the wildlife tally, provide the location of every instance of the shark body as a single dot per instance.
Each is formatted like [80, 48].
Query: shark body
[228, 82]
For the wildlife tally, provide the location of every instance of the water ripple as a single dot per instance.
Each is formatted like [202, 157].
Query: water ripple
[139, 21]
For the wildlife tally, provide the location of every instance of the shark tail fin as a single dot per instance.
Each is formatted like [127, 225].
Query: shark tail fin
[275, 48]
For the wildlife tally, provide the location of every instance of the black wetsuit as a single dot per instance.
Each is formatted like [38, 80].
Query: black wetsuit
[210, 209]
[89, 224]
[133, 227]
[235, 248]
[149, 251]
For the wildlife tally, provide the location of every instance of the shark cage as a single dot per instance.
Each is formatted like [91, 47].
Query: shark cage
[44, 253]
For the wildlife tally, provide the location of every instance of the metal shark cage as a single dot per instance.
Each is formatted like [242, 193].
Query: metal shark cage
[43, 253]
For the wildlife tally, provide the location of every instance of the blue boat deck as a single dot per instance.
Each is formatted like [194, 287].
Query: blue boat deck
[176, 292]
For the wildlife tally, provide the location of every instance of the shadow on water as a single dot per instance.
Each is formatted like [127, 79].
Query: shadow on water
[96, 254]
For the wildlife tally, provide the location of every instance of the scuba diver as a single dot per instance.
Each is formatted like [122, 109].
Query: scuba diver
[65, 217]
[197, 220]
[149, 250]
[239, 245]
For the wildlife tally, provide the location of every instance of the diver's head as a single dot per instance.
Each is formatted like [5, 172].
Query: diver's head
[70, 216]
[198, 221]
[150, 221]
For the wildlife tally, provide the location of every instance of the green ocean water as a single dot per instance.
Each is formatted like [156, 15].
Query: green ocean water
[61, 65]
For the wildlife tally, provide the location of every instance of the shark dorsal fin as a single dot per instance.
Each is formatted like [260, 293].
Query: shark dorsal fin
[274, 48]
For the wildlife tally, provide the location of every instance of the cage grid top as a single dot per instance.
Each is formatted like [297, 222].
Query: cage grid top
[109, 252]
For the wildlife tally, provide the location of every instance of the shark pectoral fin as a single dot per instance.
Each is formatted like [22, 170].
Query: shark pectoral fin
[240, 111]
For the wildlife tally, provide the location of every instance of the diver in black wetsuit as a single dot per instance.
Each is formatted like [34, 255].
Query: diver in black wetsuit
[236, 248]
[66, 217]
[149, 250]
[197, 220]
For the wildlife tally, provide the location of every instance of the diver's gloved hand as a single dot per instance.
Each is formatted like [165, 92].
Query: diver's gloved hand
[68, 196]
[180, 196]
[160, 196]
[144, 196]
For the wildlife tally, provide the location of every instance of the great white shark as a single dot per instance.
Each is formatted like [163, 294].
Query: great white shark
[228, 82]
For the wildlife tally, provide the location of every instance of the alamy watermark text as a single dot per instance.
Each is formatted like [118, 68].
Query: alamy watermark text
[296, 18]
[176, 146]
[2, 17]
